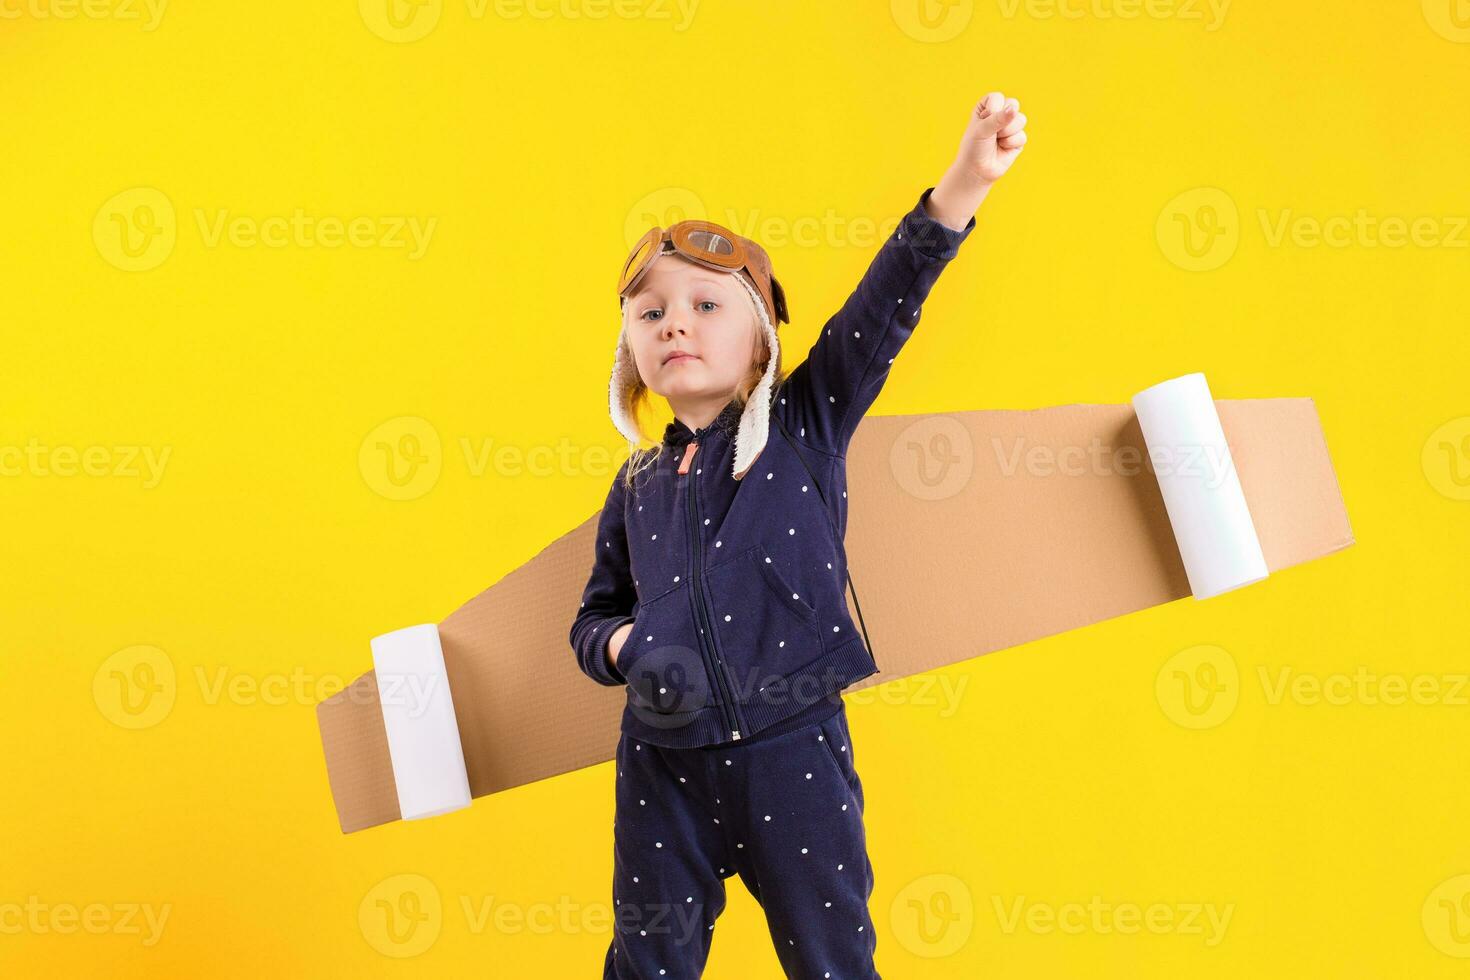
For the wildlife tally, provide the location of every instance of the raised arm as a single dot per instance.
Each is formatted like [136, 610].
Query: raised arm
[608, 599]
[827, 395]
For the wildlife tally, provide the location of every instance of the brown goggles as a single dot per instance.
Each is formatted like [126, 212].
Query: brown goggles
[712, 246]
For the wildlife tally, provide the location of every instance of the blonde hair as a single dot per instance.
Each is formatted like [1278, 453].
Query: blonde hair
[639, 396]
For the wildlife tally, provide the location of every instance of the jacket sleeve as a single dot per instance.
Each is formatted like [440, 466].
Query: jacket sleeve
[840, 379]
[608, 599]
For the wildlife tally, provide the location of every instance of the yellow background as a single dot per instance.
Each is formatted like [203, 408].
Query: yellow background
[270, 549]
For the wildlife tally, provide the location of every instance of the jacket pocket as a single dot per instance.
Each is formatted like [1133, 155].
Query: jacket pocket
[801, 604]
[765, 626]
[661, 660]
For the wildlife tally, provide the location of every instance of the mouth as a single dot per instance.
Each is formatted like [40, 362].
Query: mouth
[679, 355]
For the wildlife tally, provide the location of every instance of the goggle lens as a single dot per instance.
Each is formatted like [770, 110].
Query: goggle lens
[642, 254]
[700, 241]
[711, 242]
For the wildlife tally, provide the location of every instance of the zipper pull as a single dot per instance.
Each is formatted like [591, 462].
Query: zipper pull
[688, 456]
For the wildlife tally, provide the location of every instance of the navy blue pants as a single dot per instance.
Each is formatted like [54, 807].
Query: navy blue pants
[785, 812]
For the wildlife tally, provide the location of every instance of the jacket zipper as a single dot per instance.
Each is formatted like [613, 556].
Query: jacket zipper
[728, 708]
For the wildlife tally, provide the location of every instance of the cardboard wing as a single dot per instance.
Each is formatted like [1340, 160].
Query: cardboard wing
[968, 532]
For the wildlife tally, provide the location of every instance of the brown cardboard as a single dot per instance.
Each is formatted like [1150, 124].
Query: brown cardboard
[1002, 560]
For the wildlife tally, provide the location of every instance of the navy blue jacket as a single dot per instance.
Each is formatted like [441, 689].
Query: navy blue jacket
[736, 588]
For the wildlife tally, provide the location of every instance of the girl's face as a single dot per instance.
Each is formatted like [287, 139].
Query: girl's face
[681, 308]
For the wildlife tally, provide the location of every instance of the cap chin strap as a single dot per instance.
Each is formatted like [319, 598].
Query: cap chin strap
[755, 419]
[620, 386]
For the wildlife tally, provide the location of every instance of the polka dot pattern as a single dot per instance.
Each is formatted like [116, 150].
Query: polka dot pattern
[783, 813]
[645, 530]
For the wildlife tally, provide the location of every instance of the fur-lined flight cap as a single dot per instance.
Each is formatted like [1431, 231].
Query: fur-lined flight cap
[715, 247]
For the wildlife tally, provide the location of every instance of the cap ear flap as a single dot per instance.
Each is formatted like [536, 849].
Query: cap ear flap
[778, 298]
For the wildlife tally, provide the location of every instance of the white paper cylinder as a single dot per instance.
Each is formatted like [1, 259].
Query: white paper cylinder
[418, 713]
[1201, 489]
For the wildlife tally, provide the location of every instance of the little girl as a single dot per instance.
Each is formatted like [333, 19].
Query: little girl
[719, 601]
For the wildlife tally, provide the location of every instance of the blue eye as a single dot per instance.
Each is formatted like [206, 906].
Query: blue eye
[644, 316]
[708, 302]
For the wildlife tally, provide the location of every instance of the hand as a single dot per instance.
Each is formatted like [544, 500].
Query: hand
[993, 139]
[995, 136]
[615, 642]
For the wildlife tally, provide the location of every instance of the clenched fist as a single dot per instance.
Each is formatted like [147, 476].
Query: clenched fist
[995, 136]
